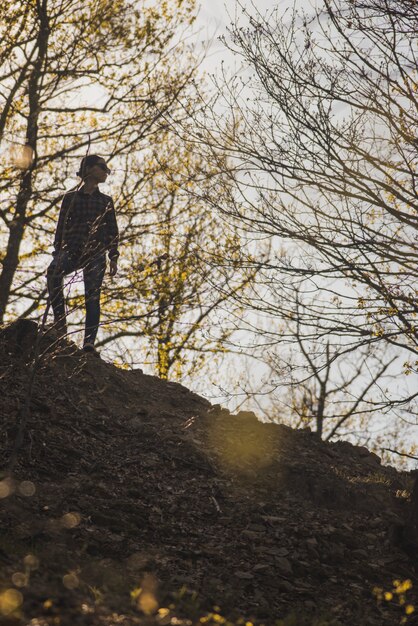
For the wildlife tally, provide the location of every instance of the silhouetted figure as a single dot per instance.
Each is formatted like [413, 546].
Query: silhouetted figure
[86, 230]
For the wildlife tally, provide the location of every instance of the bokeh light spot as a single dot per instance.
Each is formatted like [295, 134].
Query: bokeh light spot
[148, 602]
[27, 488]
[21, 156]
[71, 520]
[20, 579]
[242, 447]
[145, 595]
[6, 487]
[10, 601]
[31, 561]
[70, 580]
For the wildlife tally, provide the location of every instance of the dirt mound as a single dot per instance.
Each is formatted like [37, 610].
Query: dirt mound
[134, 501]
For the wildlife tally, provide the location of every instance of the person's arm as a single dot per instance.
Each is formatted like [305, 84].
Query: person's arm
[112, 237]
[61, 224]
[112, 232]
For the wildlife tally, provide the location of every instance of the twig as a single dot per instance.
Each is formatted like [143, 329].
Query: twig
[409, 456]
[218, 508]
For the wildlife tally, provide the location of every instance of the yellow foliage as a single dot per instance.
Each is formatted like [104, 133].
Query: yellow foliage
[398, 592]
[402, 587]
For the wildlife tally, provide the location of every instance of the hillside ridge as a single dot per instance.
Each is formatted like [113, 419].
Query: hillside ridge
[128, 487]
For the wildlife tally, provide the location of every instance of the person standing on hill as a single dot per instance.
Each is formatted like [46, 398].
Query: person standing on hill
[86, 231]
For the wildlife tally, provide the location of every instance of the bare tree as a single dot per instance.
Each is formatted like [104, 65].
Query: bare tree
[305, 379]
[74, 72]
[321, 123]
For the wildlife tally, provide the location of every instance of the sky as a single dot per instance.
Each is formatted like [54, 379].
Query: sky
[217, 12]
[212, 22]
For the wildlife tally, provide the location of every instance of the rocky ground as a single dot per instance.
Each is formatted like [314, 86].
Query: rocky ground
[129, 500]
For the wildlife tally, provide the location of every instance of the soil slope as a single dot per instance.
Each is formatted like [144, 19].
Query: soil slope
[130, 500]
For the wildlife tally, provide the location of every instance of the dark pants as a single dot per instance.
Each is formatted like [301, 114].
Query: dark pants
[93, 273]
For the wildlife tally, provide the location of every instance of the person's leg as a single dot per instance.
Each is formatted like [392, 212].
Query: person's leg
[54, 278]
[93, 278]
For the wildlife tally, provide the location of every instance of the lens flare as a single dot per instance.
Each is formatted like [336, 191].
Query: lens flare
[70, 580]
[31, 561]
[27, 488]
[243, 447]
[70, 520]
[10, 601]
[145, 595]
[7, 487]
[21, 156]
[20, 579]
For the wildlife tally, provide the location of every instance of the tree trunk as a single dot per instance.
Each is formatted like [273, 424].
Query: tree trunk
[17, 227]
[11, 259]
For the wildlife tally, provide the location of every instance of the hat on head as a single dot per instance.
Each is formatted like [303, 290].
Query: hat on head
[88, 161]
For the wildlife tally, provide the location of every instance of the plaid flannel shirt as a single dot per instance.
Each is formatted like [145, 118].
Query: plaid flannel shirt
[87, 225]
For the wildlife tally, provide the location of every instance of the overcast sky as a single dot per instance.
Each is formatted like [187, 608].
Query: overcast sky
[214, 18]
[216, 15]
